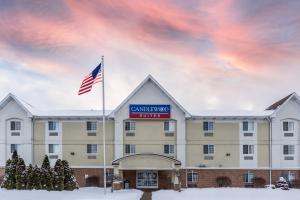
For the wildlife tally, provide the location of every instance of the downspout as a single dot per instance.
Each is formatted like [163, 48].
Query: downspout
[270, 150]
[32, 140]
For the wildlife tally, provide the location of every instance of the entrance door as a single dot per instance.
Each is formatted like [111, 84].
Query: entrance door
[146, 179]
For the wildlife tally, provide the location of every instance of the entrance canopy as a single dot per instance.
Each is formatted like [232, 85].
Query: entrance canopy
[146, 162]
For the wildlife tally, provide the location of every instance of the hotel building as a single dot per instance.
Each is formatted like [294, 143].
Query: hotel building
[153, 142]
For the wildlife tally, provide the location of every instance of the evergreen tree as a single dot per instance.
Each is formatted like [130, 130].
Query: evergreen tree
[46, 175]
[36, 180]
[70, 182]
[29, 177]
[20, 174]
[9, 181]
[59, 176]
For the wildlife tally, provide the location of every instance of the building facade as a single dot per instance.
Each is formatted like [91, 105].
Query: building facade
[152, 142]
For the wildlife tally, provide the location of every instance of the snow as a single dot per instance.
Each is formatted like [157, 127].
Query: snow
[89, 193]
[233, 113]
[227, 194]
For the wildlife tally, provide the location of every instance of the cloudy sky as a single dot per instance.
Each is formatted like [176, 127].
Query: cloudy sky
[210, 54]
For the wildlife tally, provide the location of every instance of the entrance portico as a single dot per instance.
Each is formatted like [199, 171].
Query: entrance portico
[147, 171]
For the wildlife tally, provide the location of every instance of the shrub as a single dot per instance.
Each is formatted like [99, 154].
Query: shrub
[70, 182]
[259, 182]
[223, 181]
[295, 183]
[59, 176]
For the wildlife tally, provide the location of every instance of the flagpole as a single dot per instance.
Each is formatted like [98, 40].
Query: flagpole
[103, 125]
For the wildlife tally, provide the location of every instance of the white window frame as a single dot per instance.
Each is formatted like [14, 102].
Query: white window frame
[16, 147]
[170, 126]
[140, 183]
[171, 149]
[250, 149]
[93, 148]
[291, 149]
[93, 126]
[250, 126]
[210, 149]
[16, 122]
[132, 149]
[56, 130]
[18, 128]
[53, 147]
[250, 177]
[193, 175]
[131, 127]
[210, 126]
[291, 126]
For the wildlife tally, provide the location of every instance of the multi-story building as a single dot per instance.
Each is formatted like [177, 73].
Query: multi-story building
[153, 142]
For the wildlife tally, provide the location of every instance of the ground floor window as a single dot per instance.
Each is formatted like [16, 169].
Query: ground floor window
[289, 176]
[192, 177]
[146, 179]
[248, 177]
[14, 147]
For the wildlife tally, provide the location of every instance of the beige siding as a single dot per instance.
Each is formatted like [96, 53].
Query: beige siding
[75, 141]
[149, 137]
[263, 144]
[225, 139]
[39, 142]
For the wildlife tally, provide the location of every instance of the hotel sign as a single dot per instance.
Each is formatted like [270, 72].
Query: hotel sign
[149, 111]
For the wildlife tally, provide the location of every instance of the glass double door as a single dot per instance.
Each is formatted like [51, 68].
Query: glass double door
[147, 179]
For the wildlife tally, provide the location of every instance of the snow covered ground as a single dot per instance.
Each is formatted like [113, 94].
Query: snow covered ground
[227, 194]
[91, 193]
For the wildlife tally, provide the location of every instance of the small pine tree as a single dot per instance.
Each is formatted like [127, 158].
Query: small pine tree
[29, 177]
[59, 176]
[20, 175]
[36, 180]
[70, 182]
[47, 175]
[9, 181]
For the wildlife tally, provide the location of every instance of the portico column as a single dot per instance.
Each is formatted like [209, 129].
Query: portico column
[118, 177]
[176, 179]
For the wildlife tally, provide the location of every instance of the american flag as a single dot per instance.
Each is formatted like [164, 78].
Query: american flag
[94, 77]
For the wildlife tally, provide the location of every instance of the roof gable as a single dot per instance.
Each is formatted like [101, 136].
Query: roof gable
[139, 87]
[24, 105]
[281, 103]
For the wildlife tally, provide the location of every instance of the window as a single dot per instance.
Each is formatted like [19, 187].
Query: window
[248, 177]
[169, 148]
[208, 126]
[192, 177]
[288, 126]
[129, 148]
[15, 125]
[169, 126]
[14, 147]
[129, 126]
[53, 148]
[91, 148]
[146, 179]
[91, 126]
[53, 128]
[208, 149]
[288, 149]
[248, 149]
[248, 126]
[289, 176]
